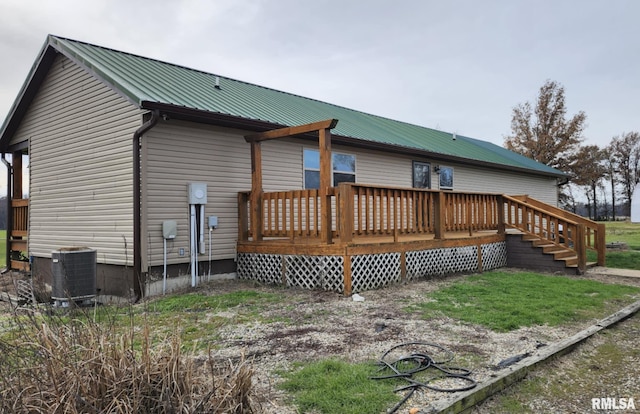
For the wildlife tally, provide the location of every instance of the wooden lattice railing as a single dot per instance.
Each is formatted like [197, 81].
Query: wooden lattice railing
[366, 210]
[358, 210]
[471, 211]
[556, 226]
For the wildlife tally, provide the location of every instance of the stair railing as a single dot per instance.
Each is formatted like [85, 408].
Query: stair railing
[556, 226]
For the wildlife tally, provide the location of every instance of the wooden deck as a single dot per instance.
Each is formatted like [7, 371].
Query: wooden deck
[367, 243]
[366, 216]
[360, 236]
[338, 237]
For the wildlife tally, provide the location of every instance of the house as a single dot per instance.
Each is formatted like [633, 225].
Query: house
[156, 165]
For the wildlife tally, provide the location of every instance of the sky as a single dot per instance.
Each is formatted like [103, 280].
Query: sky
[458, 65]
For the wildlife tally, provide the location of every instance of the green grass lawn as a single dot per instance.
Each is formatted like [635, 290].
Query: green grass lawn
[625, 232]
[505, 301]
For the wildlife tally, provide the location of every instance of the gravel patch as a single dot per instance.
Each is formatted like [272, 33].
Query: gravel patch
[316, 325]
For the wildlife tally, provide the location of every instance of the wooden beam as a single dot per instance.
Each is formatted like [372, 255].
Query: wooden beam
[347, 281]
[20, 265]
[501, 216]
[257, 215]
[243, 216]
[601, 245]
[439, 212]
[581, 247]
[326, 174]
[289, 131]
[345, 214]
[17, 175]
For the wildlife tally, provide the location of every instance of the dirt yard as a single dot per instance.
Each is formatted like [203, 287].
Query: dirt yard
[330, 325]
[313, 325]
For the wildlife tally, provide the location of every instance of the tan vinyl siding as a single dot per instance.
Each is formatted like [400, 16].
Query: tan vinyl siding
[511, 183]
[379, 168]
[80, 135]
[282, 164]
[396, 170]
[176, 154]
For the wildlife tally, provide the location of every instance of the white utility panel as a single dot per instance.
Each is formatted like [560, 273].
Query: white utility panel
[197, 193]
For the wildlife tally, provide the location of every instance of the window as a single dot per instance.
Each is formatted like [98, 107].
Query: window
[343, 166]
[421, 174]
[446, 178]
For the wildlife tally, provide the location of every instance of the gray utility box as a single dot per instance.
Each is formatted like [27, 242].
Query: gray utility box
[74, 273]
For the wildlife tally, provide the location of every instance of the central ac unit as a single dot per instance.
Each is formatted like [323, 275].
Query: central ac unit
[74, 274]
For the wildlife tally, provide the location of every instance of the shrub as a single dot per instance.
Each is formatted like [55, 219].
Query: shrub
[72, 365]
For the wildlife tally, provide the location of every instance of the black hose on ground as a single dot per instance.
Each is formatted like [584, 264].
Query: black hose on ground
[407, 359]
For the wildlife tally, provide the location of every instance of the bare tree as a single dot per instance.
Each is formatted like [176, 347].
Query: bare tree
[625, 150]
[544, 133]
[589, 169]
[611, 173]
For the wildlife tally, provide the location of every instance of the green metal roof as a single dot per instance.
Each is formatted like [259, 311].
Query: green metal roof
[143, 80]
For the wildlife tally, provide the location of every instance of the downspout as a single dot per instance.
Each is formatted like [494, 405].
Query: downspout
[9, 208]
[137, 236]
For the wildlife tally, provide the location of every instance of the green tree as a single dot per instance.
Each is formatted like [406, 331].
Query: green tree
[544, 133]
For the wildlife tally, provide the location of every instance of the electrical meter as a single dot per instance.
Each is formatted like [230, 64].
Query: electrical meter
[197, 193]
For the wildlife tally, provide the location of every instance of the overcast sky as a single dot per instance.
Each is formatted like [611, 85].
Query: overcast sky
[458, 66]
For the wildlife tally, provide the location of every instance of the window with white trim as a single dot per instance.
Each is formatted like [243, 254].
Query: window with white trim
[342, 165]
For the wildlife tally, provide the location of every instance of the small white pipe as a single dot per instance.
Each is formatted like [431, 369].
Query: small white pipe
[210, 230]
[193, 247]
[201, 239]
[164, 273]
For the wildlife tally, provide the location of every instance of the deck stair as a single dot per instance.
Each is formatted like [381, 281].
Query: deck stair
[557, 256]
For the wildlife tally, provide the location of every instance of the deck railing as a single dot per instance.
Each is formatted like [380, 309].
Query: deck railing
[19, 217]
[375, 211]
[17, 247]
[359, 210]
[369, 211]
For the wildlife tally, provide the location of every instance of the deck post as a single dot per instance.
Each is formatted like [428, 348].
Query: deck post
[501, 221]
[324, 136]
[345, 212]
[257, 213]
[440, 217]
[469, 207]
[16, 159]
[243, 217]
[581, 247]
[601, 244]
[347, 274]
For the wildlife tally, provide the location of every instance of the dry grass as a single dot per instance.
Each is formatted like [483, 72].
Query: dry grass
[53, 364]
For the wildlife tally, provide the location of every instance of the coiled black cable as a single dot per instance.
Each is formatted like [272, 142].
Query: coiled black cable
[414, 358]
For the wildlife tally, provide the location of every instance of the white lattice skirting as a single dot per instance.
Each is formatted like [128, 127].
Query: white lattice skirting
[368, 271]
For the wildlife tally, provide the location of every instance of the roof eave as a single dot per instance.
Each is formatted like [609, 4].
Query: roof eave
[213, 118]
[28, 91]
